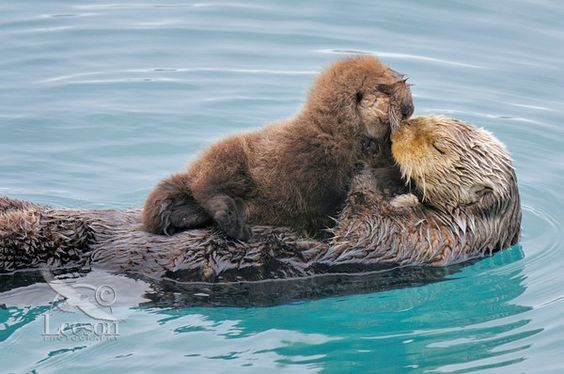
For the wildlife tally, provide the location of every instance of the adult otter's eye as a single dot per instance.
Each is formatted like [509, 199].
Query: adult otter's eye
[359, 96]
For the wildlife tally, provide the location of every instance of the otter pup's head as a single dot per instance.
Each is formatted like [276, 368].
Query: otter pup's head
[361, 94]
[455, 165]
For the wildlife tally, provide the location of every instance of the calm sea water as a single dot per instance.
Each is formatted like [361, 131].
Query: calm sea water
[99, 100]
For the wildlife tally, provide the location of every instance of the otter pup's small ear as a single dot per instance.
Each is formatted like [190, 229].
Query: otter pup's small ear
[358, 97]
[385, 88]
[390, 88]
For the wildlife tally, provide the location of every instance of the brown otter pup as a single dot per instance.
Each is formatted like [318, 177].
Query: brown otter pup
[293, 173]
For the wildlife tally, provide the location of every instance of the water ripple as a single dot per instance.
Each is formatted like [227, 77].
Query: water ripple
[69, 78]
[399, 56]
[98, 101]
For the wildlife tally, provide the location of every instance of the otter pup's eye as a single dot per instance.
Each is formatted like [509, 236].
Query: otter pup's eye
[359, 96]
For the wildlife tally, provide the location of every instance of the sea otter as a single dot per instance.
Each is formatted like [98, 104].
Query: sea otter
[294, 173]
[463, 176]
[467, 201]
[436, 154]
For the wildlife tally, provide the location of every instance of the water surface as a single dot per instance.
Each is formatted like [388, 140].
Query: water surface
[100, 100]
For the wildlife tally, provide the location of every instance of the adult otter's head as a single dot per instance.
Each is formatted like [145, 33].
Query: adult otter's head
[361, 95]
[456, 166]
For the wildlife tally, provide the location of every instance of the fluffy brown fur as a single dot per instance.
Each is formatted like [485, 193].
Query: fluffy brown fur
[294, 173]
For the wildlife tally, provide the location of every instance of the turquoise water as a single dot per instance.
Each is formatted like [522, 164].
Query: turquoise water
[98, 101]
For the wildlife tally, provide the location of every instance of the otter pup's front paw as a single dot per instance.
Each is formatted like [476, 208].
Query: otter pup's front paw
[156, 216]
[188, 215]
[177, 216]
[226, 214]
[371, 146]
[403, 201]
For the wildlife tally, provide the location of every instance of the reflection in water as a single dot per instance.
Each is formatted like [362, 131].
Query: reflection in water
[460, 322]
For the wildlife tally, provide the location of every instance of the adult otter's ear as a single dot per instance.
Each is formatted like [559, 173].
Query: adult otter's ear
[480, 190]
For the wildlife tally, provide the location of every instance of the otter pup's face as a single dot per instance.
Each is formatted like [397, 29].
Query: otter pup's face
[452, 163]
[363, 94]
[382, 106]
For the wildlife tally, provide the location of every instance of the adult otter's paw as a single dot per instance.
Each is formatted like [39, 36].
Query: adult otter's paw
[226, 215]
[404, 201]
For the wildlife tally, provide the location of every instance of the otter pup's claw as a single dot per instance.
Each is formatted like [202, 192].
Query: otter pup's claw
[175, 215]
[164, 217]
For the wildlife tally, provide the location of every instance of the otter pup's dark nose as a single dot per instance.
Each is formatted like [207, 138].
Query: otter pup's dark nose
[406, 109]
[406, 106]
[402, 94]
